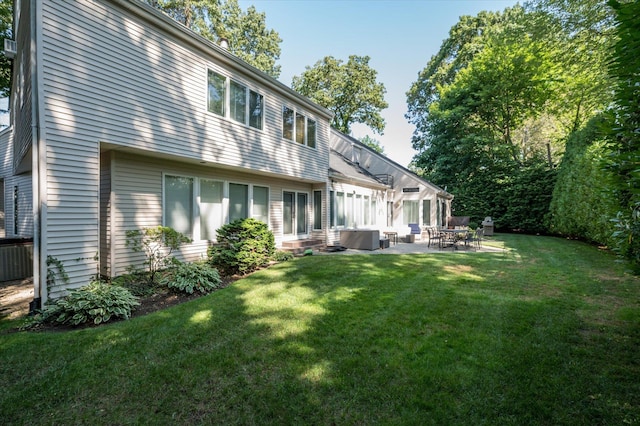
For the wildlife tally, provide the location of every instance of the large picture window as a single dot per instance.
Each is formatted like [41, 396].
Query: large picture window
[198, 207]
[178, 203]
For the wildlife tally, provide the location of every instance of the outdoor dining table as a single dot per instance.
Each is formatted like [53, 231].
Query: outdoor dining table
[454, 236]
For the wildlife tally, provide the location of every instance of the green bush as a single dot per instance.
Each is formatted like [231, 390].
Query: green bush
[190, 277]
[243, 246]
[97, 302]
[157, 243]
[283, 256]
[582, 203]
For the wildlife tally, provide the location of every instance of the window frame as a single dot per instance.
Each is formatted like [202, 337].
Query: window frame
[251, 101]
[296, 127]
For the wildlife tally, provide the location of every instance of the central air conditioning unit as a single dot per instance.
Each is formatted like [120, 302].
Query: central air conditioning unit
[10, 48]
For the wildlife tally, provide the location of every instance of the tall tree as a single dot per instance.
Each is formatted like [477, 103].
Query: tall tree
[349, 90]
[247, 33]
[625, 129]
[372, 143]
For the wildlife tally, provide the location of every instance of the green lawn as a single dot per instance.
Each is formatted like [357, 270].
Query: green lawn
[547, 332]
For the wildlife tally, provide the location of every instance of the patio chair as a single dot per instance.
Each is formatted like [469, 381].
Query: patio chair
[434, 236]
[479, 237]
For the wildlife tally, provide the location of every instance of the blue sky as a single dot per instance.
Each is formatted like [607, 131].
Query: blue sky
[400, 36]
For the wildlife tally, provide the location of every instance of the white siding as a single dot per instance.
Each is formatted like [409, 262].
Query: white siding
[132, 85]
[136, 185]
[124, 79]
[16, 223]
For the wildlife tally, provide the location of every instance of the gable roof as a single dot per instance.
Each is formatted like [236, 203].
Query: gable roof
[344, 170]
[389, 161]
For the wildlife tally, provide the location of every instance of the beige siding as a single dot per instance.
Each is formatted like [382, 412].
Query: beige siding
[132, 85]
[137, 201]
[14, 223]
[402, 178]
[130, 80]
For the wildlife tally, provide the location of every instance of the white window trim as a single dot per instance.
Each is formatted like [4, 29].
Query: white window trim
[225, 200]
[306, 116]
[227, 101]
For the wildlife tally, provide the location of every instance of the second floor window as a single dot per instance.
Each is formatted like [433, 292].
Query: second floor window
[296, 127]
[244, 105]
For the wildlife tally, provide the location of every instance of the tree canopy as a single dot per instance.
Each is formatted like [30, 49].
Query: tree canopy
[494, 107]
[349, 90]
[372, 143]
[246, 32]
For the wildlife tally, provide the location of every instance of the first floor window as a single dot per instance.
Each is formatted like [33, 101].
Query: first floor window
[261, 204]
[211, 208]
[317, 209]
[426, 212]
[332, 209]
[178, 203]
[410, 211]
[340, 209]
[238, 201]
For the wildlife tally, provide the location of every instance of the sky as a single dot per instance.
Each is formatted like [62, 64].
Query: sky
[400, 36]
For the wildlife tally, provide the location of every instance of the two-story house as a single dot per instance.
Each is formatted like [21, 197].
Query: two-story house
[123, 119]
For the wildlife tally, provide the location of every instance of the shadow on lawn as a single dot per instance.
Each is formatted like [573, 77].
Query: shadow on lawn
[399, 339]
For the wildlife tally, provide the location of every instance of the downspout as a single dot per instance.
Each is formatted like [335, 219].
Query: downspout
[40, 291]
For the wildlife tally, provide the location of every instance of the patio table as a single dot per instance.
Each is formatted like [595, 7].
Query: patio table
[453, 236]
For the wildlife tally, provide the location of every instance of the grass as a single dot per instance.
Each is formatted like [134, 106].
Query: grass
[547, 332]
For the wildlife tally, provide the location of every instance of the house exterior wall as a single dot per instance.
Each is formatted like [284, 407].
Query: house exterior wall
[118, 76]
[378, 213]
[406, 186]
[136, 188]
[16, 207]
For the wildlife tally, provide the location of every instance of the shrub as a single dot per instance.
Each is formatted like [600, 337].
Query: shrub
[283, 256]
[97, 302]
[243, 246]
[190, 277]
[157, 244]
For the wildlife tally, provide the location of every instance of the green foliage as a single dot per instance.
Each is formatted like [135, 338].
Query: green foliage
[282, 256]
[246, 32]
[6, 22]
[372, 143]
[157, 243]
[97, 302]
[582, 203]
[55, 268]
[493, 108]
[190, 277]
[624, 132]
[243, 246]
[349, 90]
[515, 199]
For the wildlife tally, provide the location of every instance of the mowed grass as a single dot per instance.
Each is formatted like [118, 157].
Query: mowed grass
[547, 332]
